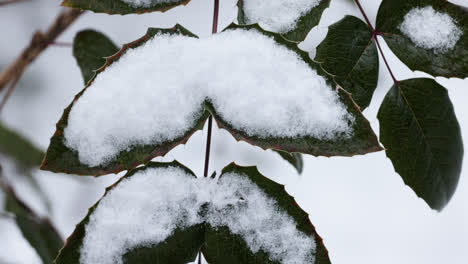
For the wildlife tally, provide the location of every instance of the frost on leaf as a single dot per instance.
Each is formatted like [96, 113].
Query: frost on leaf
[147, 207]
[154, 95]
[431, 29]
[293, 18]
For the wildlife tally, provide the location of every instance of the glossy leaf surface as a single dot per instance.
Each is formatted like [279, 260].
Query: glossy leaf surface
[349, 53]
[420, 132]
[90, 48]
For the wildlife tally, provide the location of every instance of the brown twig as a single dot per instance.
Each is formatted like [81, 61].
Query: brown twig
[39, 42]
[7, 2]
[8, 93]
[375, 34]
[210, 118]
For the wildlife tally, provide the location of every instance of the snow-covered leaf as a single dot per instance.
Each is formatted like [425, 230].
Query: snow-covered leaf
[292, 18]
[349, 53]
[157, 91]
[90, 48]
[223, 245]
[427, 35]
[163, 212]
[38, 231]
[124, 7]
[422, 138]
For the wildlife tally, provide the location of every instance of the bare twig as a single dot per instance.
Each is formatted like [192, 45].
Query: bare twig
[7, 2]
[210, 118]
[8, 93]
[39, 42]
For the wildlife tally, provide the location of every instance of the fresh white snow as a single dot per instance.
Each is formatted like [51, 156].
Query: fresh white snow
[277, 15]
[155, 92]
[147, 3]
[145, 209]
[430, 29]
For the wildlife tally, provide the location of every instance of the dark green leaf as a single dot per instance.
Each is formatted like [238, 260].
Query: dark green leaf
[303, 26]
[59, 158]
[38, 231]
[349, 54]
[222, 246]
[294, 159]
[90, 49]
[453, 63]
[17, 147]
[420, 132]
[119, 7]
[179, 248]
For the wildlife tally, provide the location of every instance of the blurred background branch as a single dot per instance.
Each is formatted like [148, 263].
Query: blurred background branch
[7, 2]
[39, 42]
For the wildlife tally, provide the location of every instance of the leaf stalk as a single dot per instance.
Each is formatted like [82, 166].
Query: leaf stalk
[375, 33]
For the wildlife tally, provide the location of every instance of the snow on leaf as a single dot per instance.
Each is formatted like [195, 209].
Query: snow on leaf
[159, 90]
[293, 18]
[431, 29]
[151, 204]
[148, 3]
[427, 35]
[124, 7]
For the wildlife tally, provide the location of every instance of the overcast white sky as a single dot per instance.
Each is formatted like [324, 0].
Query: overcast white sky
[359, 205]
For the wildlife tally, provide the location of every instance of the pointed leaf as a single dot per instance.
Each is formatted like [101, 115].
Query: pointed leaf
[450, 63]
[90, 48]
[39, 232]
[349, 54]
[420, 132]
[180, 247]
[302, 26]
[60, 158]
[20, 149]
[294, 159]
[222, 246]
[122, 7]
[206, 204]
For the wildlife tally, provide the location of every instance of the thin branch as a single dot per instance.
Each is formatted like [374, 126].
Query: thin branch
[365, 15]
[7, 2]
[215, 17]
[8, 93]
[210, 118]
[39, 42]
[208, 146]
[385, 59]
[374, 36]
